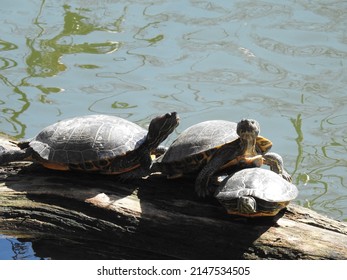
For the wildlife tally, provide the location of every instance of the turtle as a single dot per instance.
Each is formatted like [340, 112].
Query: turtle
[255, 192]
[211, 146]
[96, 143]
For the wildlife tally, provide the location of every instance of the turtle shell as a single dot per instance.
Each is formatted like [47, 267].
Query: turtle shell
[87, 139]
[200, 138]
[270, 190]
[197, 145]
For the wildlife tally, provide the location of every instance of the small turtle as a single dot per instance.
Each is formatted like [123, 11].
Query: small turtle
[255, 192]
[96, 143]
[211, 146]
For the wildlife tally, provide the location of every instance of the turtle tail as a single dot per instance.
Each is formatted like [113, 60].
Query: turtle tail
[7, 156]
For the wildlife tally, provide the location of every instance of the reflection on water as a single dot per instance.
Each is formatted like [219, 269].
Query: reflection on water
[45, 60]
[13, 249]
[280, 62]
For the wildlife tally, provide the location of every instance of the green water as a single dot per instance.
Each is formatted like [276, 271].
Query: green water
[280, 62]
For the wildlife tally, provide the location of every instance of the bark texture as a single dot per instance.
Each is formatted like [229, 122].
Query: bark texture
[86, 216]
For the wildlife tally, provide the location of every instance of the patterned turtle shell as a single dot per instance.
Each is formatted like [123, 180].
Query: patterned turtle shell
[196, 145]
[255, 192]
[96, 143]
[87, 142]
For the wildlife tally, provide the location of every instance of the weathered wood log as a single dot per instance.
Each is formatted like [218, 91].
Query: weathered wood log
[87, 216]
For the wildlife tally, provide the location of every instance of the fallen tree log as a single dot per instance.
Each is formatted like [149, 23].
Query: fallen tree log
[87, 216]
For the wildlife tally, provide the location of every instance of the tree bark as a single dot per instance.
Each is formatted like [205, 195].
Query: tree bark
[70, 215]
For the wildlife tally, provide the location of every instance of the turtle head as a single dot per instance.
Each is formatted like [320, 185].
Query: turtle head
[247, 205]
[275, 161]
[248, 131]
[160, 128]
[248, 128]
[241, 205]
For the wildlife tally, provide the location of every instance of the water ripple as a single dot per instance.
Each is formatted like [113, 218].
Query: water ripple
[7, 63]
[7, 46]
[282, 63]
[307, 51]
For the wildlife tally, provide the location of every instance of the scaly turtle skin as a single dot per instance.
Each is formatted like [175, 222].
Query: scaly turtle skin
[212, 146]
[96, 143]
[255, 192]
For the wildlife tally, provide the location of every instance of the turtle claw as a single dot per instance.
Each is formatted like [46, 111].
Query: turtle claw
[159, 151]
[202, 192]
[286, 176]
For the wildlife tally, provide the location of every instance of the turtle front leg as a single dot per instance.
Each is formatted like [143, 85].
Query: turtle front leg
[203, 183]
[276, 164]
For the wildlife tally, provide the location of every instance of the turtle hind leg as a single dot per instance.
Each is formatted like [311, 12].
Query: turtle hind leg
[137, 170]
[134, 174]
[7, 156]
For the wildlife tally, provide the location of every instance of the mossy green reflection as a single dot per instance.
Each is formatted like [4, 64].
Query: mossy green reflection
[44, 60]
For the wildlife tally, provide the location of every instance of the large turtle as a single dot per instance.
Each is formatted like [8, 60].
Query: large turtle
[208, 147]
[96, 143]
[255, 192]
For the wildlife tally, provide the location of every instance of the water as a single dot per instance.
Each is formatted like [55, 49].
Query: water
[13, 249]
[280, 62]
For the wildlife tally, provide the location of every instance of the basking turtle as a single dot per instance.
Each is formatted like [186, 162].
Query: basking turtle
[255, 192]
[211, 146]
[96, 143]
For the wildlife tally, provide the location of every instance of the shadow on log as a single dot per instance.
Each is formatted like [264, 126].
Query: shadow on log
[86, 216]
